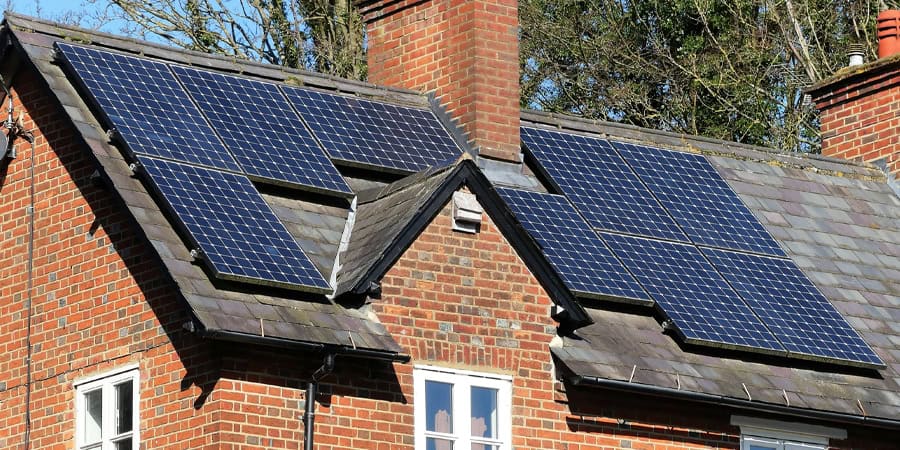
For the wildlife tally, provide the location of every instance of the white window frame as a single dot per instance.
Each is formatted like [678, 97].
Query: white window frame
[107, 382]
[462, 382]
[780, 435]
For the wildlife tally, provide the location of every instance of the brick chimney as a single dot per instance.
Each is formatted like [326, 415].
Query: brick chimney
[465, 51]
[860, 105]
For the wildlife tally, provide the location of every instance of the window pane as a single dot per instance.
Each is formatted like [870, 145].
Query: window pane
[438, 408]
[438, 444]
[485, 447]
[484, 412]
[124, 444]
[93, 418]
[760, 447]
[124, 411]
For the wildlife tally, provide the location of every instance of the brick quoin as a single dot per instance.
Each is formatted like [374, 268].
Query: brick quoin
[860, 114]
[465, 51]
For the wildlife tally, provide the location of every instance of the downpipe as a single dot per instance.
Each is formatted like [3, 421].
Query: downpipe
[309, 417]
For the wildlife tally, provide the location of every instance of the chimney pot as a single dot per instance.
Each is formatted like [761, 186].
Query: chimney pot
[888, 33]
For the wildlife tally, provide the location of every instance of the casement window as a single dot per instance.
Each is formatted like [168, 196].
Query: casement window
[106, 411]
[461, 410]
[765, 434]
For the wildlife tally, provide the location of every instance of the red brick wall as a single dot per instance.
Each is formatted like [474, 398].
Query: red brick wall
[99, 299]
[860, 117]
[467, 52]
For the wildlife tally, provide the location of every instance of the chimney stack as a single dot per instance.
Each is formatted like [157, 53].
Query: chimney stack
[860, 105]
[465, 51]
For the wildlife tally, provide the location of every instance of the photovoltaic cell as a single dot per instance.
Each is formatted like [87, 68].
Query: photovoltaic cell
[373, 133]
[791, 306]
[690, 291]
[146, 105]
[239, 235]
[600, 184]
[705, 206]
[258, 125]
[583, 261]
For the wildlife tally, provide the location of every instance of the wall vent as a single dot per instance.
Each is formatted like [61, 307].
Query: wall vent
[466, 212]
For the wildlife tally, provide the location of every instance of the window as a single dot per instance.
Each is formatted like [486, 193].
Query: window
[764, 434]
[462, 410]
[107, 411]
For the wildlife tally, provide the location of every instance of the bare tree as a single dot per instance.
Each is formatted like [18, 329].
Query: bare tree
[321, 35]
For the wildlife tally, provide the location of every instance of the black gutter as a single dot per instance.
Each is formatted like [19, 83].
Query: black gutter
[337, 350]
[721, 400]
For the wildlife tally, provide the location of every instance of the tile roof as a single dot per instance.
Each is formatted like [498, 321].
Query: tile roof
[839, 221]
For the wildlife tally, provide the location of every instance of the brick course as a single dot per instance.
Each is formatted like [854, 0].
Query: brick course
[860, 116]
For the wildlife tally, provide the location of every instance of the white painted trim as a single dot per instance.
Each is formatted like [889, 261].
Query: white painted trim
[464, 380]
[107, 374]
[106, 383]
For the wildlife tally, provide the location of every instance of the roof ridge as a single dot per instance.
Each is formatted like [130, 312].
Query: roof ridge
[220, 63]
[704, 145]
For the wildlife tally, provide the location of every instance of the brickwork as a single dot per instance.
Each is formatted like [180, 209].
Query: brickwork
[860, 117]
[466, 52]
[99, 300]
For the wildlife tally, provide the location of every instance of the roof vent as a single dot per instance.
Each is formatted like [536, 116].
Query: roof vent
[466, 212]
[856, 54]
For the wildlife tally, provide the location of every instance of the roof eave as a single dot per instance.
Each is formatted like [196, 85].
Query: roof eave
[737, 403]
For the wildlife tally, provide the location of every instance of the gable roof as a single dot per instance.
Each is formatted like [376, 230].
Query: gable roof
[222, 310]
[840, 222]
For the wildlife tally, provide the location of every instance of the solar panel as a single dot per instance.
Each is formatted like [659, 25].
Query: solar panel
[238, 233]
[600, 184]
[791, 306]
[143, 101]
[705, 206]
[582, 260]
[372, 133]
[261, 129]
[690, 291]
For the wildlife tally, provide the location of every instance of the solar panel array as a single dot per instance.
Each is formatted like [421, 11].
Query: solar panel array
[724, 281]
[580, 257]
[692, 293]
[376, 134]
[698, 198]
[238, 233]
[791, 306]
[146, 105]
[600, 183]
[261, 129]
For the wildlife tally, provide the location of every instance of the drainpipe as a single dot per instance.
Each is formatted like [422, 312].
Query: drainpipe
[309, 417]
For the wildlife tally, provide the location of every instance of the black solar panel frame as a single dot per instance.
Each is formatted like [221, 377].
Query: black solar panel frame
[734, 268]
[667, 306]
[293, 92]
[645, 300]
[604, 220]
[236, 149]
[754, 238]
[193, 243]
[112, 128]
